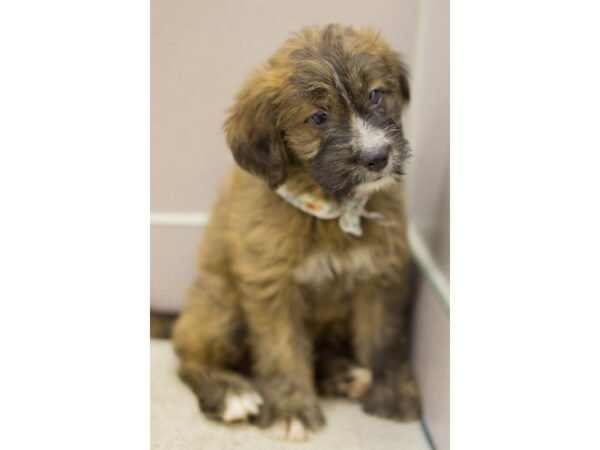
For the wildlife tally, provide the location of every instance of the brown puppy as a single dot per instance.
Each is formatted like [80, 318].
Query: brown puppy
[287, 304]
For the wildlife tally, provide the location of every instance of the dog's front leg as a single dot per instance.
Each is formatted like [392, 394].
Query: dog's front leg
[282, 353]
[380, 343]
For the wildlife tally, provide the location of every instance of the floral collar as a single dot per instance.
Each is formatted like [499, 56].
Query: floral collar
[349, 211]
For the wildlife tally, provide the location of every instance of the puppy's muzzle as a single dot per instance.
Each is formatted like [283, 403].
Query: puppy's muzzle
[375, 159]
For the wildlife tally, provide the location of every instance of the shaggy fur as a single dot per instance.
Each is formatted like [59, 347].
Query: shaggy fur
[286, 305]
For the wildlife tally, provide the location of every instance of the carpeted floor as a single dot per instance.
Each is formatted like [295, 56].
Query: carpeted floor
[176, 421]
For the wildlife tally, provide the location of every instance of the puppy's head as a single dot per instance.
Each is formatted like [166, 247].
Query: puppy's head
[329, 102]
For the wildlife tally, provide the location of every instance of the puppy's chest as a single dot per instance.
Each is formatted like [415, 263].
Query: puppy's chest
[338, 269]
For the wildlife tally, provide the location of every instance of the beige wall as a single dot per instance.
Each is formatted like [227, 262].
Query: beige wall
[429, 129]
[429, 207]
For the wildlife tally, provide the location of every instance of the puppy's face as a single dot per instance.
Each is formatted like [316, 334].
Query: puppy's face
[329, 101]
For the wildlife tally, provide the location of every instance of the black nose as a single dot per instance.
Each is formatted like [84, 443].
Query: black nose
[375, 159]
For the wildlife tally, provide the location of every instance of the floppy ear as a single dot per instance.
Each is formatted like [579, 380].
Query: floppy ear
[252, 134]
[400, 71]
[404, 86]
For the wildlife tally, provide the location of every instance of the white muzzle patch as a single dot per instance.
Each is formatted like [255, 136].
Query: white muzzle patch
[368, 137]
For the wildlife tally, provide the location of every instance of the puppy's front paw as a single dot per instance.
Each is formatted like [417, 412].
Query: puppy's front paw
[240, 406]
[290, 430]
[296, 422]
[229, 398]
[291, 412]
[397, 399]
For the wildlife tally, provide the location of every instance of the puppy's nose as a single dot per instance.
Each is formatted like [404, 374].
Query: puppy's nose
[375, 159]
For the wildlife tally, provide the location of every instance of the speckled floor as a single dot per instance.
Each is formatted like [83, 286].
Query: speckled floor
[176, 421]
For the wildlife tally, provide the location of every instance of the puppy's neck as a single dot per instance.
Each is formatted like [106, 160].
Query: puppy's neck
[299, 181]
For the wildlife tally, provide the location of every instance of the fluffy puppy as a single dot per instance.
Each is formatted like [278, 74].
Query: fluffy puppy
[288, 305]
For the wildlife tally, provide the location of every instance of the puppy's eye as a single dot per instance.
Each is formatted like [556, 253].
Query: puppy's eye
[319, 118]
[375, 97]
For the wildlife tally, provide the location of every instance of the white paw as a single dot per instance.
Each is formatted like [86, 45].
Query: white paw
[241, 406]
[361, 381]
[290, 430]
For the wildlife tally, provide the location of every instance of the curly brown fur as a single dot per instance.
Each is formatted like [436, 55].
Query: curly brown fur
[287, 305]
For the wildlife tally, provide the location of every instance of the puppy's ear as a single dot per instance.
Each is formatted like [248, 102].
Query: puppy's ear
[404, 85]
[252, 133]
[400, 71]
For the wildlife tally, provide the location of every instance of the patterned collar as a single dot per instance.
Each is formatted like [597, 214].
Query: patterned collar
[349, 211]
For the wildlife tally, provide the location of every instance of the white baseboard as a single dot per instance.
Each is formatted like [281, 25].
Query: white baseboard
[178, 219]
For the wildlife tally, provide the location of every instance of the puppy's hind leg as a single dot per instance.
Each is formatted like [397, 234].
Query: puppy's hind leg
[209, 339]
[381, 344]
[337, 374]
